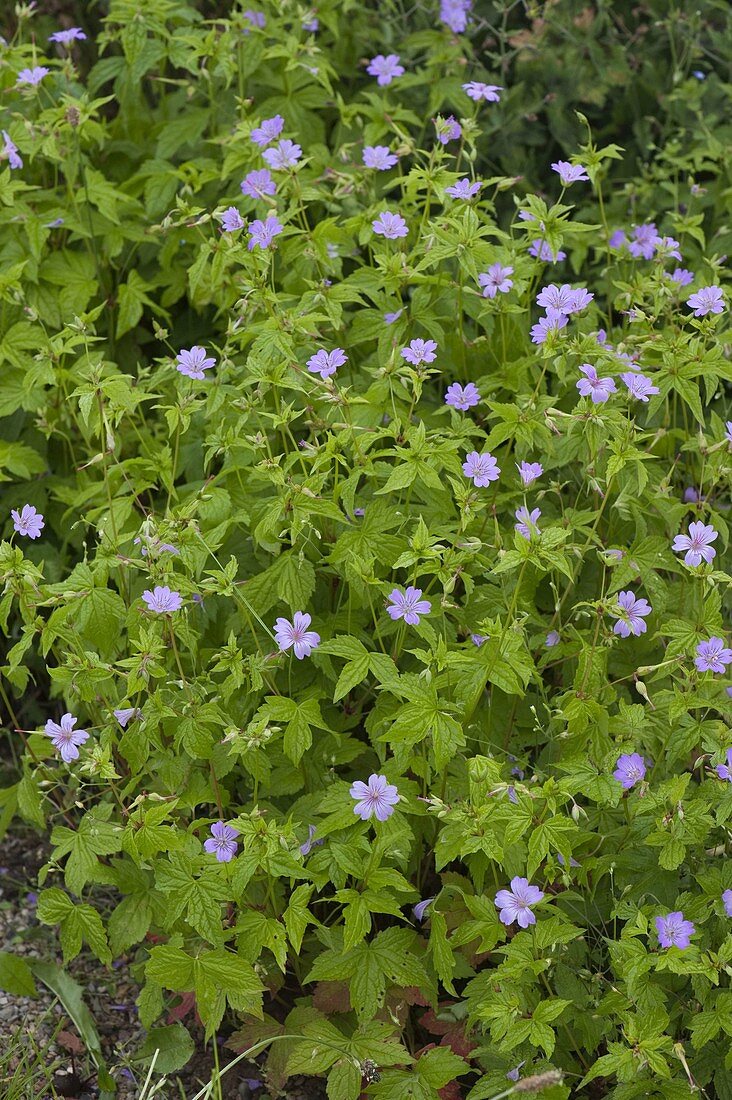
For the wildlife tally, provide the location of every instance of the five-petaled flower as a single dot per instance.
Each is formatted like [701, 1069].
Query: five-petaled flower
[674, 931]
[639, 387]
[592, 386]
[125, 715]
[28, 521]
[222, 842]
[262, 233]
[32, 76]
[73, 34]
[569, 173]
[629, 770]
[408, 605]
[258, 183]
[285, 154]
[709, 299]
[379, 157]
[448, 129]
[65, 738]
[477, 91]
[162, 599]
[527, 525]
[548, 325]
[713, 655]
[464, 189]
[514, 905]
[296, 635]
[10, 149]
[724, 771]
[390, 225]
[325, 362]
[644, 241]
[697, 544]
[541, 250]
[462, 397]
[630, 613]
[231, 220]
[727, 902]
[377, 798]
[420, 351]
[481, 468]
[385, 69]
[496, 280]
[268, 130]
[529, 472]
[565, 298]
[194, 361]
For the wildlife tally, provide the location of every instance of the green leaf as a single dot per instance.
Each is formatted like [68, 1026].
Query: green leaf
[16, 976]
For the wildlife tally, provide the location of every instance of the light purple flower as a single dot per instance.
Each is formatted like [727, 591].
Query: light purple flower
[697, 544]
[549, 325]
[255, 18]
[527, 525]
[541, 251]
[724, 771]
[268, 130]
[10, 149]
[231, 220]
[666, 248]
[674, 931]
[420, 351]
[713, 655]
[295, 634]
[28, 521]
[553, 638]
[564, 299]
[644, 241]
[597, 389]
[477, 91]
[311, 25]
[377, 798]
[482, 468]
[464, 189]
[727, 902]
[310, 843]
[448, 129]
[408, 605]
[385, 69]
[454, 14]
[258, 183]
[390, 225]
[681, 276]
[65, 37]
[629, 770]
[496, 280]
[529, 472]
[285, 154]
[639, 387]
[515, 1073]
[126, 714]
[262, 233]
[421, 908]
[222, 842]
[728, 432]
[325, 362]
[390, 318]
[479, 639]
[462, 397]
[379, 157]
[617, 239]
[162, 600]
[65, 738]
[709, 299]
[32, 76]
[630, 615]
[193, 362]
[569, 173]
[515, 904]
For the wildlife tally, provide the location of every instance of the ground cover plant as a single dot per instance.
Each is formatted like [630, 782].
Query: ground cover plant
[366, 437]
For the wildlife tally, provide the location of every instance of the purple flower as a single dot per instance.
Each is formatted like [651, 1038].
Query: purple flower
[707, 300]
[550, 325]
[681, 276]
[464, 189]
[462, 397]
[527, 522]
[477, 91]
[569, 173]
[448, 129]
[194, 361]
[529, 472]
[268, 130]
[255, 18]
[617, 239]
[65, 37]
[727, 902]
[553, 638]
[325, 362]
[541, 251]
[515, 904]
[713, 656]
[311, 25]
[515, 1073]
[390, 318]
[222, 842]
[285, 154]
[162, 599]
[482, 468]
[674, 931]
[728, 432]
[697, 544]
[691, 495]
[258, 184]
[295, 634]
[379, 157]
[630, 615]
[667, 248]
[644, 241]
[639, 387]
[496, 280]
[262, 233]
[28, 521]
[479, 639]
[724, 771]
[408, 605]
[65, 738]
[231, 220]
[454, 14]
[32, 76]
[390, 225]
[420, 351]
[597, 389]
[385, 68]
[126, 714]
[564, 298]
[310, 843]
[421, 908]
[10, 149]
[630, 770]
[377, 798]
